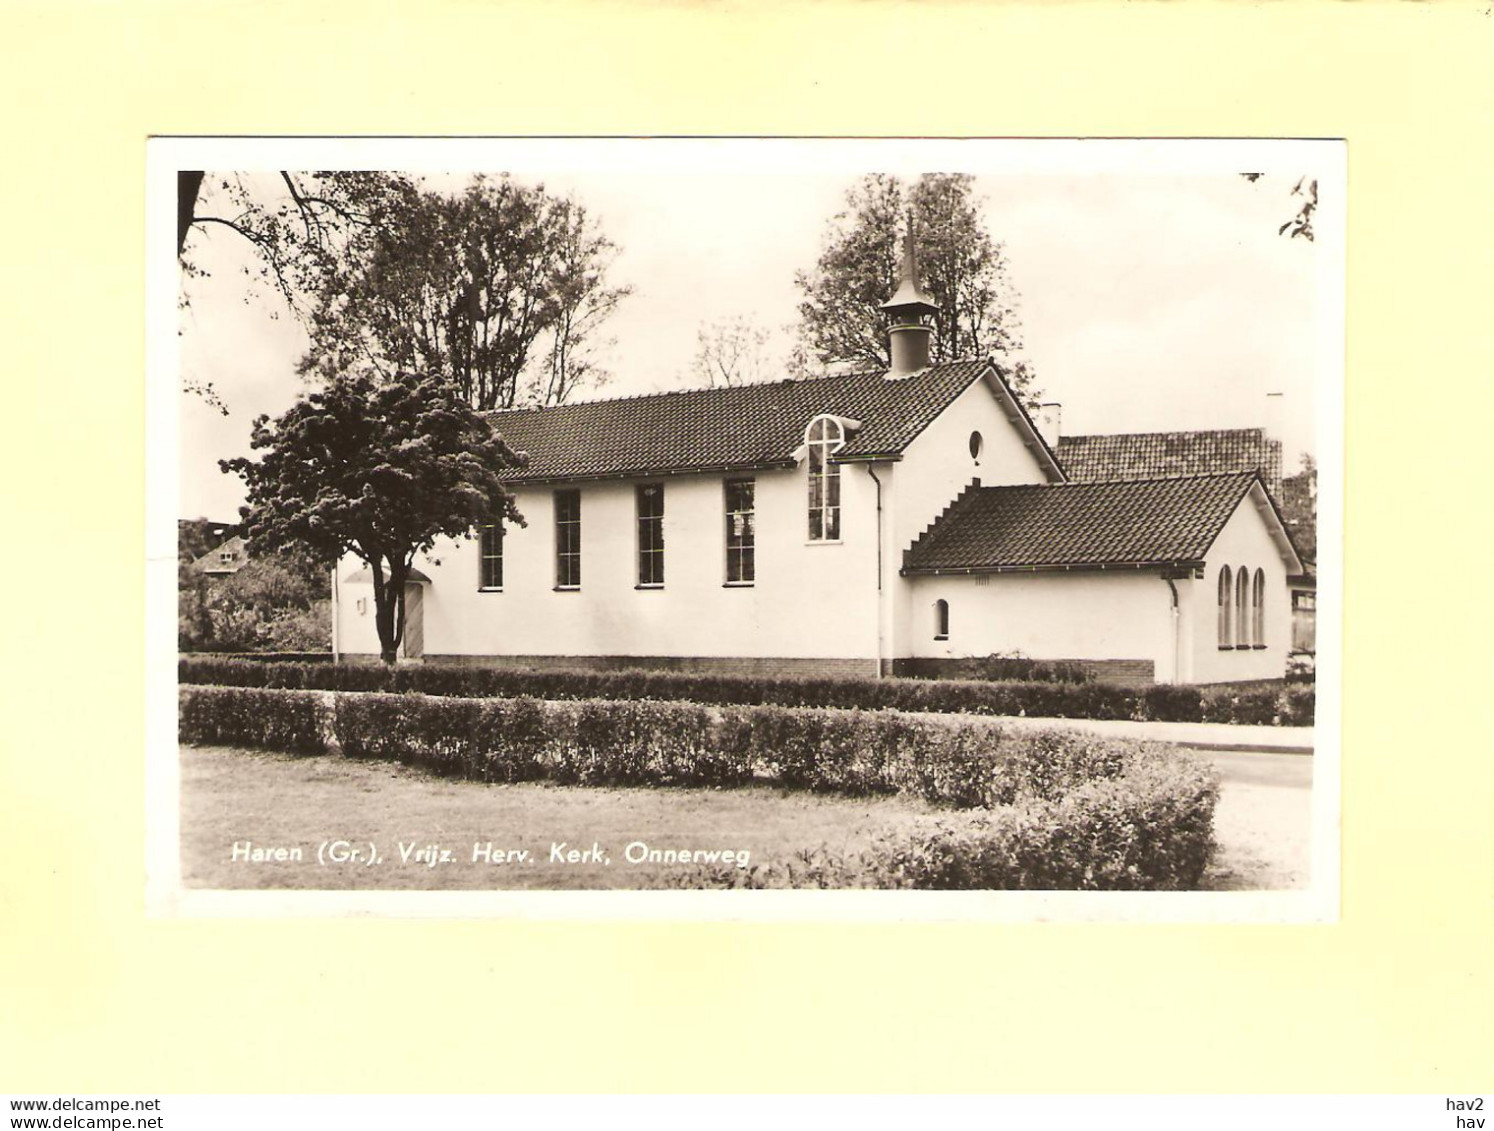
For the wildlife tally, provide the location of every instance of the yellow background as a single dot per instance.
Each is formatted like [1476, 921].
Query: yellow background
[1397, 996]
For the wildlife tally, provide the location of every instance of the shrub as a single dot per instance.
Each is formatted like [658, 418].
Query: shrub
[1177, 703]
[241, 716]
[999, 666]
[1149, 827]
[1253, 706]
[1299, 705]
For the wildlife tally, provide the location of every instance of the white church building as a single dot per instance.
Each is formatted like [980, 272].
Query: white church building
[848, 525]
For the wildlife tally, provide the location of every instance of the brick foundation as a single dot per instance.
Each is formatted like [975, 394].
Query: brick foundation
[752, 667]
[1125, 673]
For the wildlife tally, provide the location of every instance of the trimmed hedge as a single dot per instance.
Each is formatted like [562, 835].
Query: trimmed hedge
[964, 763]
[1269, 704]
[293, 721]
[1147, 829]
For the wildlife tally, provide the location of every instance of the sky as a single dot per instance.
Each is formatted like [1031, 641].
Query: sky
[1154, 295]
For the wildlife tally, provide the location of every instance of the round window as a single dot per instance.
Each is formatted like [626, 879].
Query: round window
[977, 445]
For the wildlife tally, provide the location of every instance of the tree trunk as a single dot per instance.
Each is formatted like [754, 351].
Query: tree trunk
[389, 604]
[188, 183]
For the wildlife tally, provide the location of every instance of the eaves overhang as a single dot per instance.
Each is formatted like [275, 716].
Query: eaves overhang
[649, 473]
[1186, 565]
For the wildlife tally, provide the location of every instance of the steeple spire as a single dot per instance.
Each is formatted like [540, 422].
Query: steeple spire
[908, 310]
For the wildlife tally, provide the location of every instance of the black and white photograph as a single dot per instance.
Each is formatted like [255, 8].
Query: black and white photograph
[656, 523]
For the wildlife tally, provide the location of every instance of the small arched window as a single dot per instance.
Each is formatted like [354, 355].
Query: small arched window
[1258, 609]
[977, 445]
[1226, 594]
[1242, 608]
[941, 619]
[824, 437]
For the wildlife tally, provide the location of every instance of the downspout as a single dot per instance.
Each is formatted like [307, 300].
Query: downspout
[881, 617]
[1177, 635]
[336, 613]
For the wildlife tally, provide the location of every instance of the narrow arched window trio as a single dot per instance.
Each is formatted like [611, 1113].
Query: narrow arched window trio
[1226, 592]
[1242, 608]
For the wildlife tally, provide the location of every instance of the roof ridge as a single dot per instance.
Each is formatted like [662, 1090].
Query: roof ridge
[1166, 432]
[858, 374]
[1190, 476]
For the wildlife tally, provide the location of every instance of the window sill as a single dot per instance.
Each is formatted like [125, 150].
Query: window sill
[1258, 647]
[658, 586]
[941, 638]
[738, 584]
[1226, 647]
[567, 588]
[825, 542]
[490, 589]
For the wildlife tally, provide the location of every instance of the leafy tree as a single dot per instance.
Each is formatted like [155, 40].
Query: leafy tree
[270, 603]
[731, 352]
[1299, 507]
[1304, 197]
[379, 469]
[964, 270]
[500, 289]
[296, 222]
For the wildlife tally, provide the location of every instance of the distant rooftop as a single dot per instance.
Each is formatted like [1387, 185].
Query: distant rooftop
[1149, 455]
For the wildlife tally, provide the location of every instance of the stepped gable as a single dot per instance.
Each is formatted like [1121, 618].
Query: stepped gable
[726, 429]
[1152, 455]
[1169, 521]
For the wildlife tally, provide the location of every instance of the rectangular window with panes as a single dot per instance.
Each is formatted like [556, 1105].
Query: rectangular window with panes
[650, 535]
[741, 534]
[568, 539]
[490, 556]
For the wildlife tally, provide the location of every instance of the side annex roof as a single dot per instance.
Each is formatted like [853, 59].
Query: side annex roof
[1124, 524]
[744, 427]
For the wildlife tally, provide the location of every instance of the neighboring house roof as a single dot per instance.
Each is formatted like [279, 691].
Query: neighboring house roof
[1151, 455]
[364, 576]
[746, 426]
[1132, 523]
[227, 557]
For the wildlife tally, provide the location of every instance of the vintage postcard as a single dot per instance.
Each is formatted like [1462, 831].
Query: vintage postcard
[746, 528]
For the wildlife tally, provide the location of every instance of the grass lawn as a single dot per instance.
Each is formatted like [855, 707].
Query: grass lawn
[280, 801]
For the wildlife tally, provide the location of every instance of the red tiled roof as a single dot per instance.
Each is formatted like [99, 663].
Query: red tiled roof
[728, 428]
[1151, 455]
[1135, 522]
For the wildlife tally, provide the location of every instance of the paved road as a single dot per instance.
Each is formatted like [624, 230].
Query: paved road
[1263, 822]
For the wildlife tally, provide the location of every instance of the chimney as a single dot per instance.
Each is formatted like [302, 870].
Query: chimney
[910, 312]
[1050, 422]
[1274, 428]
[1275, 419]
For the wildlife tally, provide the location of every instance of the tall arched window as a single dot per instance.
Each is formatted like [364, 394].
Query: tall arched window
[941, 619]
[1226, 594]
[1258, 609]
[1242, 608]
[824, 438]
